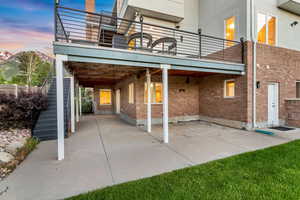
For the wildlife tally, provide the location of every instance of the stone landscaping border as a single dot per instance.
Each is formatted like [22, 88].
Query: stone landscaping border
[7, 167]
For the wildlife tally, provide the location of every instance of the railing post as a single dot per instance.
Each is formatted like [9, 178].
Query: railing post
[99, 31]
[141, 40]
[200, 42]
[55, 19]
[243, 48]
[223, 50]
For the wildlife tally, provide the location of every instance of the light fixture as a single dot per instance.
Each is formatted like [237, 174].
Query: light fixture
[295, 23]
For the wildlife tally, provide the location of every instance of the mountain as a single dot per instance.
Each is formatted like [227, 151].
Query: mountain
[5, 55]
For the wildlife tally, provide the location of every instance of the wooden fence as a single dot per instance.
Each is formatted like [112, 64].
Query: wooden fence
[16, 89]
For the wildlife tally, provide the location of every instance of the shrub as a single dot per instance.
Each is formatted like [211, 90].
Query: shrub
[87, 107]
[21, 112]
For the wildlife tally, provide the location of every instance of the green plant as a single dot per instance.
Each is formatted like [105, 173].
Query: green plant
[87, 107]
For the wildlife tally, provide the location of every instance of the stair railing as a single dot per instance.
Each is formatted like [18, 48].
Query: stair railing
[46, 84]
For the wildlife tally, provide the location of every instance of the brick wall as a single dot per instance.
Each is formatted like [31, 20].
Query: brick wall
[183, 98]
[127, 109]
[277, 65]
[292, 107]
[211, 95]
[212, 100]
[103, 109]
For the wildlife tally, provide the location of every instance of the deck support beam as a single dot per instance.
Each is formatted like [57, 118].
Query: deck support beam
[77, 103]
[60, 105]
[80, 102]
[149, 115]
[72, 92]
[165, 69]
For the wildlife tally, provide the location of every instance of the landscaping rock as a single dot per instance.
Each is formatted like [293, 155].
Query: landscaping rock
[13, 147]
[5, 157]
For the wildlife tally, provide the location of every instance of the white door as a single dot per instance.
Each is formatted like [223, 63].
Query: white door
[118, 96]
[273, 119]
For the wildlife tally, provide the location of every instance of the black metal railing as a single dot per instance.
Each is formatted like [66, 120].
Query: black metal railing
[107, 30]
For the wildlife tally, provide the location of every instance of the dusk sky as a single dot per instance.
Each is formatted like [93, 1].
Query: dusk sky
[28, 24]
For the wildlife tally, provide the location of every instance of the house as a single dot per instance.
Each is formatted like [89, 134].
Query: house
[233, 62]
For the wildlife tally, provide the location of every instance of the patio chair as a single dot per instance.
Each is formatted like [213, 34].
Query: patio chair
[142, 36]
[169, 42]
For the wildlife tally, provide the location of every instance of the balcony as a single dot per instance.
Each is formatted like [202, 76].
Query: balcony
[79, 27]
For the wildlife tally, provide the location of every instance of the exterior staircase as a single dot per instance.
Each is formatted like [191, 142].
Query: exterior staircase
[46, 126]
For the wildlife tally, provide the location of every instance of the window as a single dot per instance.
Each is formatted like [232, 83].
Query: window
[298, 89]
[230, 30]
[131, 93]
[266, 29]
[229, 89]
[156, 93]
[105, 97]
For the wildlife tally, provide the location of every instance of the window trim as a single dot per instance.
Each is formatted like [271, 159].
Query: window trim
[153, 103]
[296, 89]
[129, 100]
[235, 26]
[225, 89]
[267, 27]
[110, 97]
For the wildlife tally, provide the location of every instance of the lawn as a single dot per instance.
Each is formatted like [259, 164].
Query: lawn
[272, 173]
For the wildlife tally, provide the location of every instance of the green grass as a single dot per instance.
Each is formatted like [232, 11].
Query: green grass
[273, 173]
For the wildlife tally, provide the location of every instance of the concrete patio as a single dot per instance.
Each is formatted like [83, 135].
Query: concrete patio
[106, 151]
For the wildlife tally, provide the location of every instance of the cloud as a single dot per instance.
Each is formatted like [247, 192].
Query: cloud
[29, 5]
[11, 46]
[24, 24]
[16, 39]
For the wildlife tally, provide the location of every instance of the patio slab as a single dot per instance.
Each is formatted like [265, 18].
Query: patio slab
[107, 151]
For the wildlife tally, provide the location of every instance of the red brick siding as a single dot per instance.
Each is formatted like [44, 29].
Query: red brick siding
[212, 101]
[126, 108]
[103, 108]
[183, 98]
[278, 65]
[293, 112]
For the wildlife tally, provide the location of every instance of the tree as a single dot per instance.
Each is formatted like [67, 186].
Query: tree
[28, 64]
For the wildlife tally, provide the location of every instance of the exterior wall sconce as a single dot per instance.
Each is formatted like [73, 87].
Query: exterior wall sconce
[295, 23]
[258, 84]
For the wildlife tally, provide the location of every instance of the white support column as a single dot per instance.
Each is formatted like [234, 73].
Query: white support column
[149, 115]
[77, 103]
[80, 104]
[60, 105]
[165, 69]
[72, 85]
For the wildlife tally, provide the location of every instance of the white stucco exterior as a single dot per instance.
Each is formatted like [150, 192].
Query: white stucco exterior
[287, 36]
[213, 13]
[210, 16]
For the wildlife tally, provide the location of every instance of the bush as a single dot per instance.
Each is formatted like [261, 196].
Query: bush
[21, 112]
[87, 107]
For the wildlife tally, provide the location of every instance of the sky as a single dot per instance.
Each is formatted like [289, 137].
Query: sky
[28, 24]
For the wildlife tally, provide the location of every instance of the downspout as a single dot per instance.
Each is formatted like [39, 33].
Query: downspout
[254, 41]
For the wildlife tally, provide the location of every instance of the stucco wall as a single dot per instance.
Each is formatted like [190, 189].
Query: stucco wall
[213, 13]
[287, 35]
[169, 7]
